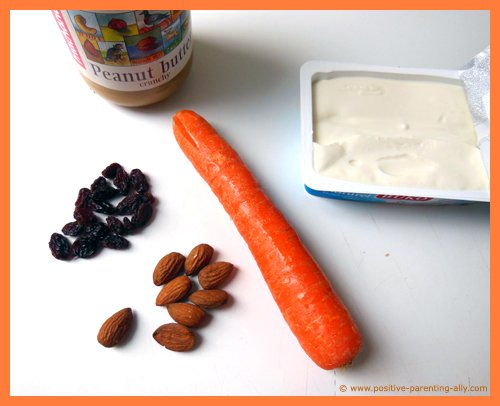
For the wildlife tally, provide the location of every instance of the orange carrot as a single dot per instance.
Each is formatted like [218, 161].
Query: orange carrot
[315, 314]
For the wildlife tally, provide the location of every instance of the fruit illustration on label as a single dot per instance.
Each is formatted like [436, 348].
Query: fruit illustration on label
[117, 24]
[81, 22]
[147, 44]
[91, 49]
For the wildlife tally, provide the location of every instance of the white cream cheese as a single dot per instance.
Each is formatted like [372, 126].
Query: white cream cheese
[396, 132]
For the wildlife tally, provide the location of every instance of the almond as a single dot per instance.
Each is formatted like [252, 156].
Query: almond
[199, 257]
[168, 268]
[214, 274]
[209, 299]
[186, 314]
[175, 337]
[115, 328]
[173, 291]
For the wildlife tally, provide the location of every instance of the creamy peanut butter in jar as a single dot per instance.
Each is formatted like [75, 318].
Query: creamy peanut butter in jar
[130, 57]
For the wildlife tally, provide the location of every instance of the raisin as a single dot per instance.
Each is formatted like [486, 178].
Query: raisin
[98, 230]
[115, 242]
[142, 215]
[91, 233]
[110, 171]
[115, 225]
[127, 225]
[85, 247]
[102, 190]
[59, 246]
[98, 183]
[83, 197]
[121, 181]
[148, 197]
[84, 215]
[138, 181]
[102, 206]
[73, 229]
[129, 204]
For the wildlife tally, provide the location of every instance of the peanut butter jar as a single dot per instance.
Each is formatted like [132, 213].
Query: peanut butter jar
[130, 57]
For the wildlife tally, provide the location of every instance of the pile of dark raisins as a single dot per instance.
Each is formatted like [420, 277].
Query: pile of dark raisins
[92, 234]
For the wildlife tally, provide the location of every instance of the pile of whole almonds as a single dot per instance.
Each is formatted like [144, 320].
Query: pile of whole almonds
[176, 287]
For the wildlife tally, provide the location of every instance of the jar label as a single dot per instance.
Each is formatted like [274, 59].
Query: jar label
[130, 50]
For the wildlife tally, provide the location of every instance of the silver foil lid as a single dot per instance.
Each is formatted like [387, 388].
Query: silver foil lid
[476, 79]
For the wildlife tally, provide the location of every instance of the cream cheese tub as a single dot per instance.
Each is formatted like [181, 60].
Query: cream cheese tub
[395, 135]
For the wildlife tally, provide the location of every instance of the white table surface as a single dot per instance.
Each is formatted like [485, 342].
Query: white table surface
[416, 279]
